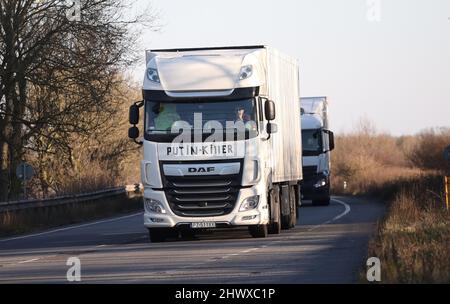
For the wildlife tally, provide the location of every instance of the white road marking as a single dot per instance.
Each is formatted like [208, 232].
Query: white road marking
[28, 261]
[65, 229]
[70, 228]
[347, 210]
[249, 250]
[234, 254]
[337, 217]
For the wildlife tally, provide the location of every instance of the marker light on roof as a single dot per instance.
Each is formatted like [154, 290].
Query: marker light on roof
[246, 72]
[152, 75]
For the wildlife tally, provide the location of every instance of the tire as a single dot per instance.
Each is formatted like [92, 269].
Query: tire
[188, 234]
[275, 221]
[299, 198]
[258, 231]
[285, 206]
[322, 202]
[325, 200]
[158, 235]
[293, 205]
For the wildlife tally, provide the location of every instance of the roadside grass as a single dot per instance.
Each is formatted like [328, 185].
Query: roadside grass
[413, 240]
[42, 218]
[377, 180]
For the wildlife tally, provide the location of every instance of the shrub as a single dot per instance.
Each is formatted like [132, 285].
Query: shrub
[428, 153]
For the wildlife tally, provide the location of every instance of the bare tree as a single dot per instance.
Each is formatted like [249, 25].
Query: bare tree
[56, 75]
[88, 161]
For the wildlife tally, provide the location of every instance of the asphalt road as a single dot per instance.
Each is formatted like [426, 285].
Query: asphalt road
[328, 245]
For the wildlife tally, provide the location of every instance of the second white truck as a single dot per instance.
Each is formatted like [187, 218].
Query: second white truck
[318, 142]
[222, 140]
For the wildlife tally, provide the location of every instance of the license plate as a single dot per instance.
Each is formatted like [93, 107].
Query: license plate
[203, 225]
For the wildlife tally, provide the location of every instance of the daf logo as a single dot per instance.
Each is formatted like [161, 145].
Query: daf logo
[202, 170]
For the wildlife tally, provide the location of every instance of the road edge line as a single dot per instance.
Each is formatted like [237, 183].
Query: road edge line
[70, 228]
[347, 210]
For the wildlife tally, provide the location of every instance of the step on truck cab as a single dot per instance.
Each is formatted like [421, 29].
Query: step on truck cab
[318, 142]
[221, 138]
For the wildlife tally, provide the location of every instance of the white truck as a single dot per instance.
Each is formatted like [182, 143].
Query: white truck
[317, 143]
[222, 140]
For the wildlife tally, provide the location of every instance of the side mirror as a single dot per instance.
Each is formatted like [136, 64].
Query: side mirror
[272, 128]
[331, 140]
[133, 133]
[269, 109]
[134, 114]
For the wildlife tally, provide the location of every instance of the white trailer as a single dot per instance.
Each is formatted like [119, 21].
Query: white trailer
[222, 140]
[318, 142]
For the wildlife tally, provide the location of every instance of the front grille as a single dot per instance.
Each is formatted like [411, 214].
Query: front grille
[309, 172]
[199, 196]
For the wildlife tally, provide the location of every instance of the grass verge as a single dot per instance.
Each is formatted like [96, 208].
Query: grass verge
[413, 240]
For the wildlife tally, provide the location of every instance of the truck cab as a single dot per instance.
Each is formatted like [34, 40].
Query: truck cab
[317, 144]
[216, 129]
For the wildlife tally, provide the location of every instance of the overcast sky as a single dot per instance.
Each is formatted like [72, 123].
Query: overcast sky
[390, 65]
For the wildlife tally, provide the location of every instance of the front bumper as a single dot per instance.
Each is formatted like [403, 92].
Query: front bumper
[310, 192]
[257, 216]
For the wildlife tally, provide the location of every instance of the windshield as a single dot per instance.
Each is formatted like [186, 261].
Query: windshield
[312, 142]
[200, 116]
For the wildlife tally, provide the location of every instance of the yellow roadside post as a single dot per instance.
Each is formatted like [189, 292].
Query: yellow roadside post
[447, 194]
[447, 179]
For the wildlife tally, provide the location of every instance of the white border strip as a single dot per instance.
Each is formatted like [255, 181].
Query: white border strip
[337, 217]
[347, 210]
[70, 228]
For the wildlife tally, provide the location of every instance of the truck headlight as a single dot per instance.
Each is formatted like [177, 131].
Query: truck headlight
[152, 75]
[154, 206]
[320, 183]
[250, 203]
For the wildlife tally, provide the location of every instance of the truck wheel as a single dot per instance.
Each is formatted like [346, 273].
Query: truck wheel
[322, 202]
[158, 235]
[285, 204]
[275, 213]
[258, 231]
[325, 200]
[293, 205]
[298, 196]
[188, 234]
